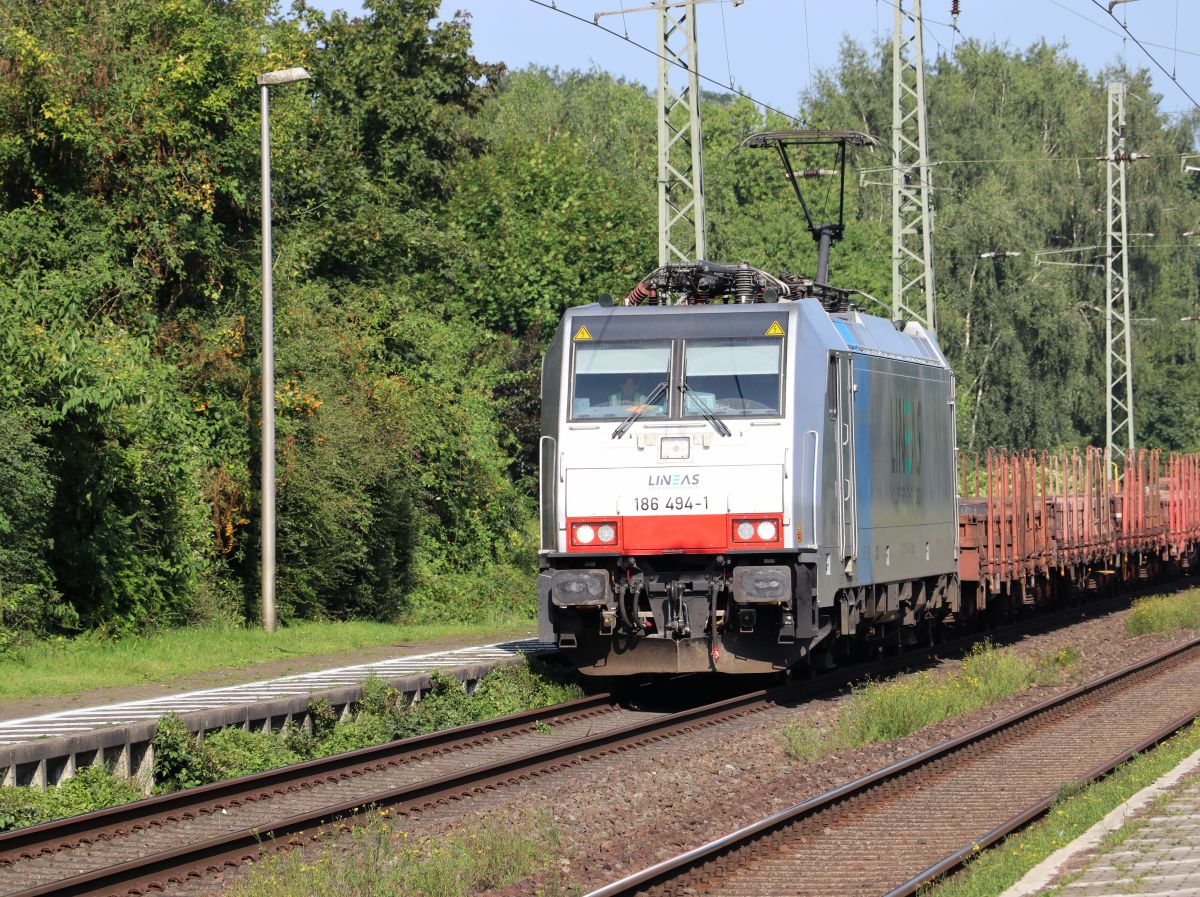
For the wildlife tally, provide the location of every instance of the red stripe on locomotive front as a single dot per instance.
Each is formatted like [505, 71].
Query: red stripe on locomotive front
[682, 533]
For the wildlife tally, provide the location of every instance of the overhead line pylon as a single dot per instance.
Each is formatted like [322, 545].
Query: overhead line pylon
[912, 219]
[682, 217]
[1118, 351]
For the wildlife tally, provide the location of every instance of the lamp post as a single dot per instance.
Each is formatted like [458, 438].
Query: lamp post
[284, 76]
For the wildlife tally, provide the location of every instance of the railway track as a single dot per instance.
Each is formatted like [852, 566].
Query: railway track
[172, 838]
[906, 824]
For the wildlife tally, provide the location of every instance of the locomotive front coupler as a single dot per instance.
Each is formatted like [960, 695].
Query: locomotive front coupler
[629, 592]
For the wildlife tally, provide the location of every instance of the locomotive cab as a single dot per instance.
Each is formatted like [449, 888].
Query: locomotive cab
[689, 459]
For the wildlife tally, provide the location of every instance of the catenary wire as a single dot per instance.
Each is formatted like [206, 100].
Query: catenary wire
[1149, 55]
[1107, 30]
[549, 4]
[725, 36]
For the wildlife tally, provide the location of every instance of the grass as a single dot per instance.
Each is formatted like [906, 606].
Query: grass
[885, 711]
[383, 862]
[1164, 613]
[68, 666]
[1077, 809]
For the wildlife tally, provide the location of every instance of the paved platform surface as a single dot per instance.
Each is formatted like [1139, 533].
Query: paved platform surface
[86, 719]
[1161, 857]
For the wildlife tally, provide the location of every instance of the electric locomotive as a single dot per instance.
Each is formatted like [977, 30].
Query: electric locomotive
[737, 469]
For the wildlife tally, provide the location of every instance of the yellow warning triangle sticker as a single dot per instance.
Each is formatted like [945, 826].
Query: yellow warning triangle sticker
[773, 330]
[582, 332]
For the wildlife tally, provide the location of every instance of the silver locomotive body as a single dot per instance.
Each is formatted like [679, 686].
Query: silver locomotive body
[736, 487]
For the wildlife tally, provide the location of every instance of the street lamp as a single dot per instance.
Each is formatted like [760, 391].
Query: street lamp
[284, 76]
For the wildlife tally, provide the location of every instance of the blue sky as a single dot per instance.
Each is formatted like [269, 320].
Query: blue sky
[772, 47]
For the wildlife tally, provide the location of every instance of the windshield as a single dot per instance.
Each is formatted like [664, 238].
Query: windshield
[733, 377]
[613, 380]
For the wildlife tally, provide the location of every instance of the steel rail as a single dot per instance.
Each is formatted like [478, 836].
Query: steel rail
[240, 845]
[244, 843]
[47, 834]
[1035, 811]
[236, 846]
[697, 857]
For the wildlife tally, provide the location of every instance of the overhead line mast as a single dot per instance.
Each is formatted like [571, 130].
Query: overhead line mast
[682, 217]
[1118, 351]
[912, 219]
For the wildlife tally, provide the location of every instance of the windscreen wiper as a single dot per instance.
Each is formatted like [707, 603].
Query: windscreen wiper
[645, 406]
[707, 412]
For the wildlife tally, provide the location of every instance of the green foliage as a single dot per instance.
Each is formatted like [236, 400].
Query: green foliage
[128, 205]
[507, 689]
[434, 215]
[29, 603]
[499, 593]
[180, 759]
[382, 714]
[354, 734]
[236, 752]
[885, 711]
[562, 206]
[522, 686]
[92, 788]
[1164, 613]
[1026, 340]
[442, 706]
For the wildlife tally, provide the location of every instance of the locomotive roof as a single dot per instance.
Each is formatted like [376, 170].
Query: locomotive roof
[852, 331]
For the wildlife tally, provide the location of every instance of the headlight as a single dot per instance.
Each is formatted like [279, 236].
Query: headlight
[607, 533]
[584, 534]
[745, 530]
[766, 531]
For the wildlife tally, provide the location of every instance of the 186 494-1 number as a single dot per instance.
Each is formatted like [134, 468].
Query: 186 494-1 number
[671, 503]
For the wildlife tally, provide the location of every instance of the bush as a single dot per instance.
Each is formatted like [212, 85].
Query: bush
[92, 788]
[354, 734]
[235, 752]
[29, 603]
[524, 685]
[180, 760]
[497, 593]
